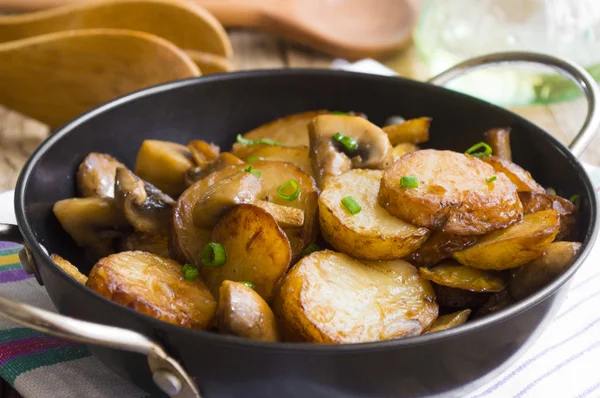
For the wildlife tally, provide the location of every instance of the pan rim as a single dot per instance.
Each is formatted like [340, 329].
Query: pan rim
[218, 339]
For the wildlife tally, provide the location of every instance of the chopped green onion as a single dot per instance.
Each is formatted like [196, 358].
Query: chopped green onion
[189, 272]
[491, 179]
[253, 159]
[313, 247]
[351, 205]
[551, 191]
[252, 170]
[409, 182]
[213, 255]
[487, 150]
[340, 113]
[346, 141]
[576, 200]
[264, 141]
[289, 190]
[249, 284]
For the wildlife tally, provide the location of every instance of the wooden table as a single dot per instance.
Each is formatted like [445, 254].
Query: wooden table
[19, 136]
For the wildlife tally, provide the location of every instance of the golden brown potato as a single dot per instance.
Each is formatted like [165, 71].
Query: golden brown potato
[439, 246]
[222, 161]
[518, 175]
[330, 159]
[257, 251]
[154, 286]
[242, 312]
[497, 302]
[450, 321]
[329, 297]
[95, 223]
[151, 242]
[297, 155]
[451, 274]
[452, 193]
[372, 234]
[449, 297]
[285, 216]
[414, 131]
[163, 164]
[513, 246]
[533, 276]
[69, 268]
[96, 175]
[402, 149]
[499, 141]
[534, 202]
[203, 152]
[288, 131]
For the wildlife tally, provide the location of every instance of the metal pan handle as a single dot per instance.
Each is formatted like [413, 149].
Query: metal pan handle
[574, 72]
[168, 375]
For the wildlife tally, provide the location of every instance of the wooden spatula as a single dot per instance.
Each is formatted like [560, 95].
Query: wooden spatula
[345, 28]
[55, 77]
[184, 24]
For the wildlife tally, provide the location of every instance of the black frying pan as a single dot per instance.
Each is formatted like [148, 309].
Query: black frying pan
[216, 108]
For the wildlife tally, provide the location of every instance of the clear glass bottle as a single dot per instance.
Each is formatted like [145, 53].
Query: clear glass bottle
[450, 31]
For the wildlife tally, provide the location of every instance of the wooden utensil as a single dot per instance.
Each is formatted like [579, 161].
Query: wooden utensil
[55, 77]
[345, 28]
[184, 24]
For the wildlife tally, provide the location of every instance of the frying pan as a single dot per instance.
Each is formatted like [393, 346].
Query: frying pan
[163, 358]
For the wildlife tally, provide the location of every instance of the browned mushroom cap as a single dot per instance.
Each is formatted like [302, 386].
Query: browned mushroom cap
[241, 187]
[96, 175]
[144, 206]
[199, 172]
[330, 159]
[95, 223]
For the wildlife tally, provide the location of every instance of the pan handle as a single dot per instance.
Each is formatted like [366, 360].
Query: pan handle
[168, 375]
[574, 72]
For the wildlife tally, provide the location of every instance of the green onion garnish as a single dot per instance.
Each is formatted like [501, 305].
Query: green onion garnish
[473, 151]
[313, 247]
[189, 272]
[409, 182]
[346, 141]
[264, 141]
[576, 200]
[351, 205]
[491, 179]
[253, 159]
[249, 284]
[252, 170]
[289, 190]
[339, 113]
[213, 255]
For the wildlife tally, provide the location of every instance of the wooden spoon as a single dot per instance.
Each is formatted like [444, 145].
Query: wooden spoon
[184, 24]
[351, 29]
[55, 77]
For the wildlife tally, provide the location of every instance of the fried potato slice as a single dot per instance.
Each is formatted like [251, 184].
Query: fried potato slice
[163, 164]
[69, 268]
[534, 202]
[449, 297]
[372, 234]
[533, 276]
[449, 321]
[402, 149]
[452, 193]
[203, 152]
[329, 297]
[285, 216]
[513, 246]
[96, 175]
[297, 155]
[439, 246]
[518, 175]
[151, 242]
[257, 250]
[154, 286]
[499, 140]
[414, 131]
[451, 274]
[242, 312]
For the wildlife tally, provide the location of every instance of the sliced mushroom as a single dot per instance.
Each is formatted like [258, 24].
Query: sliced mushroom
[330, 159]
[499, 140]
[222, 161]
[286, 217]
[96, 223]
[144, 206]
[150, 242]
[241, 187]
[163, 164]
[203, 152]
[96, 175]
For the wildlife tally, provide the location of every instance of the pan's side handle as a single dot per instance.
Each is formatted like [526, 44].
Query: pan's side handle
[574, 72]
[168, 375]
